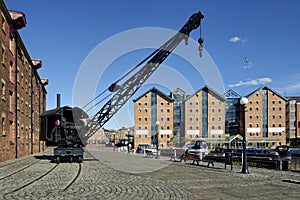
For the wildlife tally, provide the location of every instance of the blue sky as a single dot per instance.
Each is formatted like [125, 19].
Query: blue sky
[252, 43]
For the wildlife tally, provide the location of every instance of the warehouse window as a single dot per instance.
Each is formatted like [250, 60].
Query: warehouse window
[3, 55]
[3, 124]
[3, 89]
[10, 101]
[3, 23]
[10, 44]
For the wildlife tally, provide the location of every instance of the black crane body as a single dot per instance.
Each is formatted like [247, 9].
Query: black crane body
[121, 94]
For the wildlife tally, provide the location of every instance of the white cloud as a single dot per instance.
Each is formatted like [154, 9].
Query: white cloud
[258, 81]
[235, 39]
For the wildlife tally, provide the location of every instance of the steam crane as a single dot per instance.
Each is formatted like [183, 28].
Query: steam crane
[63, 127]
[122, 93]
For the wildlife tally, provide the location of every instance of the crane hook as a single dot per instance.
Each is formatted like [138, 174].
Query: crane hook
[200, 40]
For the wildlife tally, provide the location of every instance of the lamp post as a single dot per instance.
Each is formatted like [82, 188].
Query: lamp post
[114, 134]
[128, 140]
[245, 170]
[157, 125]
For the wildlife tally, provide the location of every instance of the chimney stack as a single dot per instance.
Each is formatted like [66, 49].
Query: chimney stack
[58, 100]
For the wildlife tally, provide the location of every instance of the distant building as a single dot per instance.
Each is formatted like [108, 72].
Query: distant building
[153, 113]
[233, 119]
[98, 139]
[218, 119]
[179, 97]
[293, 120]
[23, 93]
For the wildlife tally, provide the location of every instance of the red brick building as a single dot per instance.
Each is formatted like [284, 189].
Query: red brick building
[23, 93]
[153, 114]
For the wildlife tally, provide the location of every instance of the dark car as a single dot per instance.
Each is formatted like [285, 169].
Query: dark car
[284, 152]
[142, 147]
[218, 154]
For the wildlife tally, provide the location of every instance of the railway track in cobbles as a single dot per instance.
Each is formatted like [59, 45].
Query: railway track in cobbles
[53, 178]
[94, 179]
[16, 167]
[91, 179]
[11, 163]
[107, 183]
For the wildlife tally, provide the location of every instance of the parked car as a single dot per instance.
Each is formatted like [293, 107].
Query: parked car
[142, 147]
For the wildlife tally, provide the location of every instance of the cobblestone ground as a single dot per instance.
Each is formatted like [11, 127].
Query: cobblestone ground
[105, 174]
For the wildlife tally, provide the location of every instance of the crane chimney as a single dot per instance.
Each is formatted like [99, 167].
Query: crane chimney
[58, 100]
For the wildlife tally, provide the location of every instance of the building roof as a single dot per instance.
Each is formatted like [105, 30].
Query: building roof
[207, 88]
[18, 19]
[151, 90]
[232, 94]
[44, 81]
[265, 87]
[178, 90]
[296, 98]
[37, 64]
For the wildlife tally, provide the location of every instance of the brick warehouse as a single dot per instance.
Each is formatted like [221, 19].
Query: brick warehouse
[23, 93]
[219, 119]
[153, 111]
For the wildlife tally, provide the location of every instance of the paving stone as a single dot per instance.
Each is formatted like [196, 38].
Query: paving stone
[105, 174]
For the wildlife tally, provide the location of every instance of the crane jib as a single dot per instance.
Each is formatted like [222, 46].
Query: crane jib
[128, 88]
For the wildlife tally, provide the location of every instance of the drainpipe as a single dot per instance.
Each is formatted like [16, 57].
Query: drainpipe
[16, 92]
[31, 111]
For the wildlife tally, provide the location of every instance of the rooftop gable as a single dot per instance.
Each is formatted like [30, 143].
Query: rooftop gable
[151, 90]
[208, 89]
[265, 87]
[232, 94]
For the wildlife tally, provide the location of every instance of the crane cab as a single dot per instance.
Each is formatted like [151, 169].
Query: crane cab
[62, 127]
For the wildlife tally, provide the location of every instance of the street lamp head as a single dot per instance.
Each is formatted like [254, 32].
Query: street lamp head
[157, 123]
[244, 101]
